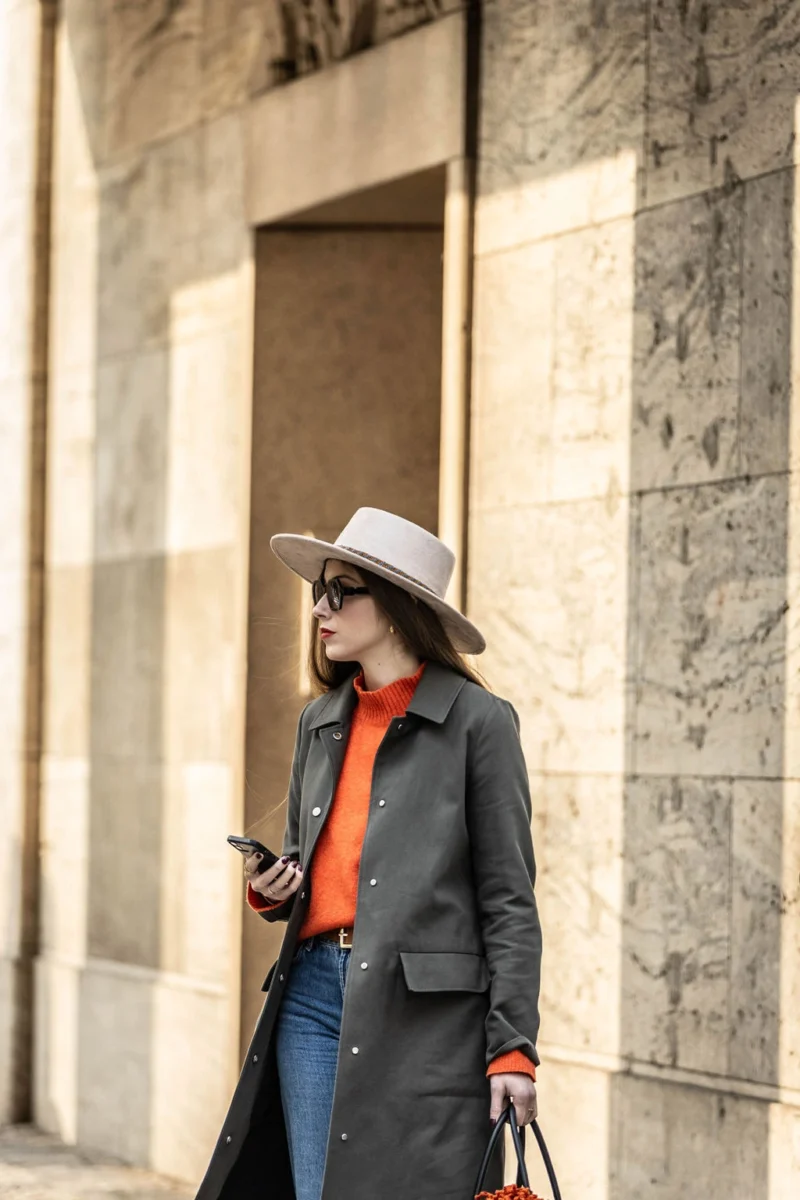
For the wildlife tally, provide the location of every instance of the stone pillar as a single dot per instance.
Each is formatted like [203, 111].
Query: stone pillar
[151, 305]
[633, 561]
[26, 52]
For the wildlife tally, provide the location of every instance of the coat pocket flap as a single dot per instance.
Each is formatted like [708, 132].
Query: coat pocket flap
[444, 972]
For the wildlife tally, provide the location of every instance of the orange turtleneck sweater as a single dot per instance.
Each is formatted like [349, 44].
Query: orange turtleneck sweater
[338, 851]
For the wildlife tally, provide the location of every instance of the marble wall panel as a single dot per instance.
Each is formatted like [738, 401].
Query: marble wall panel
[712, 638]
[153, 84]
[14, 449]
[127, 662]
[766, 335]
[552, 375]
[150, 227]
[562, 117]
[67, 649]
[722, 83]
[124, 847]
[757, 917]
[670, 1141]
[12, 791]
[512, 402]
[64, 864]
[784, 1151]
[164, 1127]
[235, 50]
[197, 817]
[198, 669]
[788, 1033]
[687, 342]
[13, 649]
[132, 454]
[56, 1024]
[575, 1111]
[577, 831]
[676, 938]
[548, 586]
[71, 469]
[205, 436]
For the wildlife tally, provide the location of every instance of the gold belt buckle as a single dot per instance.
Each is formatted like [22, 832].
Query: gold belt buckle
[343, 945]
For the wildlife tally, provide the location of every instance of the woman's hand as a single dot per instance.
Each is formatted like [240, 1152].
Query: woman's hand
[278, 882]
[514, 1086]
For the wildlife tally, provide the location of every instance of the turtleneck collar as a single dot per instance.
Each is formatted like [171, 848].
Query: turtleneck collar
[380, 706]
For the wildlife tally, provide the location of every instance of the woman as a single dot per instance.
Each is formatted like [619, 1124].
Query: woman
[402, 1014]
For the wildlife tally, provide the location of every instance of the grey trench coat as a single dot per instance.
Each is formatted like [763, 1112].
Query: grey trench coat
[446, 922]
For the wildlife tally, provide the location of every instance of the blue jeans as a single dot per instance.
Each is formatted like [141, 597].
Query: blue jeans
[307, 1046]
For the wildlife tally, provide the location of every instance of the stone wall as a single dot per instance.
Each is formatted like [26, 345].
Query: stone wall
[148, 477]
[633, 562]
[26, 59]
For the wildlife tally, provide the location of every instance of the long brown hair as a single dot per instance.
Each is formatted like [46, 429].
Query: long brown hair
[416, 623]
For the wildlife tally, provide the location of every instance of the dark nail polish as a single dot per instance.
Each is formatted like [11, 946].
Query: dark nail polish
[285, 858]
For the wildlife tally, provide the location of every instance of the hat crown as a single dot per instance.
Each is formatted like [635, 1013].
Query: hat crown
[408, 549]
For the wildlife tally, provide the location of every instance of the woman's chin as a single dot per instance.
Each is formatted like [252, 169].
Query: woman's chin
[334, 653]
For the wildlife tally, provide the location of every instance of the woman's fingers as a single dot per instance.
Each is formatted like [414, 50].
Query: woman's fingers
[517, 1089]
[278, 882]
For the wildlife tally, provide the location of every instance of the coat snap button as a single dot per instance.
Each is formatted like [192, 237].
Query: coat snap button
[381, 803]
[228, 1140]
[355, 1049]
[337, 737]
[344, 1137]
[255, 1058]
[315, 812]
[281, 978]
[364, 966]
[372, 882]
[302, 895]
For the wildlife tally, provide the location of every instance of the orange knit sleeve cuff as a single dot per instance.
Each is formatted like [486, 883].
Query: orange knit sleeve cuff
[515, 1062]
[257, 901]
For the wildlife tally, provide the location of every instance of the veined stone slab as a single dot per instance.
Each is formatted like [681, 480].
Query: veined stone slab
[562, 117]
[722, 85]
[671, 1141]
[687, 342]
[676, 938]
[712, 637]
[766, 337]
[578, 833]
[548, 585]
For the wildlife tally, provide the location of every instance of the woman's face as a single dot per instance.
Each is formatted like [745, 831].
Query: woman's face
[358, 627]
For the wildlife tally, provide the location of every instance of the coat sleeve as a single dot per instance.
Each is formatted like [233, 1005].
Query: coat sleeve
[291, 835]
[499, 816]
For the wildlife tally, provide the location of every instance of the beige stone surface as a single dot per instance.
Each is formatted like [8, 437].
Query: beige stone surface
[562, 118]
[548, 586]
[578, 826]
[721, 96]
[65, 833]
[147, 1014]
[766, 324]
[68, 654]
[34, 1166]
[671, 1141]
[552, 372]
[712, 642]
[676, 938]
[687, 342]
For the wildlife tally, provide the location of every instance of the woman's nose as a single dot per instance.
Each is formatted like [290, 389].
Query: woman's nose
[322, 609]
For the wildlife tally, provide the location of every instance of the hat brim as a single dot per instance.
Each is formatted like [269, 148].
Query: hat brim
[307, 557]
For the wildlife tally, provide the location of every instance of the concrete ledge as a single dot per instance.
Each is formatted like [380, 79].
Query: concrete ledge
[389, 112]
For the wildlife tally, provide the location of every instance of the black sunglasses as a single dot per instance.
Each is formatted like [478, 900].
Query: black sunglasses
[336, 591]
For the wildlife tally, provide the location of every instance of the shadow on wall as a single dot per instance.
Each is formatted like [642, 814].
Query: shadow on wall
[633, 313]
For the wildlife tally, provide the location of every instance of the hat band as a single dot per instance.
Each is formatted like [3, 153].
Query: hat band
[388, 567]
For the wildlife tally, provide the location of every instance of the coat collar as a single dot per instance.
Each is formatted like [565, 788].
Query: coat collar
[435, 695]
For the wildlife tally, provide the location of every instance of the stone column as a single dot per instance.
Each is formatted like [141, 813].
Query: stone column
[633, 562]
[26, 49]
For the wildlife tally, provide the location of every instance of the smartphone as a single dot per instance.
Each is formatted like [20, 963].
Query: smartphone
[249, 846]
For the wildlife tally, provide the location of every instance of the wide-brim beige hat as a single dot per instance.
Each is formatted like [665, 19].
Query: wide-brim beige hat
[397, 550]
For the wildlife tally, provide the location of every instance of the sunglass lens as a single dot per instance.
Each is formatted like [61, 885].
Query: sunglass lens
[334, 590]
[317, 590]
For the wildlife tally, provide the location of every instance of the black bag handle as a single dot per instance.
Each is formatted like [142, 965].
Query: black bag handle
[518, 1138]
